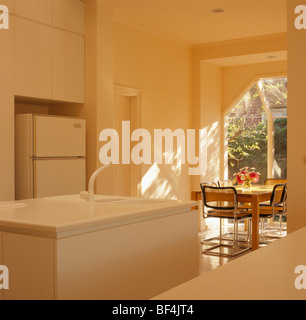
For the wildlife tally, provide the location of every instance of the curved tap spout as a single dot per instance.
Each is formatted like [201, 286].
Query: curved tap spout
[90, 195]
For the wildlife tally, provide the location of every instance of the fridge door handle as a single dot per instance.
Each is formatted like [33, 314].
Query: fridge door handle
[55, 158]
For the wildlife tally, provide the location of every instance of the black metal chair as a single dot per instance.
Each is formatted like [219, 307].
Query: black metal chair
[277, 206]
[274, 181]
[225, 183]
[221, 203]
[202, 184]
[229, 183]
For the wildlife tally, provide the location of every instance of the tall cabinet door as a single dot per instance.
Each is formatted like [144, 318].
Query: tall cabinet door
[68, 66]
[33, 59]
[68, 50]
[49, 50]
[33, 48]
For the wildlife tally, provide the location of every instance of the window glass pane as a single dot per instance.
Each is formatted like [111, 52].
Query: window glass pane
[247, 135]
[274, 92]
[280, 148]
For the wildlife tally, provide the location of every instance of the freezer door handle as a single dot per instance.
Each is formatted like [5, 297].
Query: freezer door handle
[56, 158]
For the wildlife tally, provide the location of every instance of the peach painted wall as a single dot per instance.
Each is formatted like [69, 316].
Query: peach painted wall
[161, 70]
[296, 120]
[241, 47]
[210, 121]
[7, 168]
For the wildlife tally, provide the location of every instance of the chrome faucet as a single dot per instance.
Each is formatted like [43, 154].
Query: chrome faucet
[90, 194]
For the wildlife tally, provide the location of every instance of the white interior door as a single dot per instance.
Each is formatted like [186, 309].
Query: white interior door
[122, 172]
[59, 177]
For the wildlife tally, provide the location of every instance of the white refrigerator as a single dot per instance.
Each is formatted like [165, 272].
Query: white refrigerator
[49, 156]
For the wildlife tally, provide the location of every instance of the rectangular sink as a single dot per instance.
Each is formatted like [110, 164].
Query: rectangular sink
[10, 204]
[108, 200]
[143, 202]
[77, 198]
[114, 200]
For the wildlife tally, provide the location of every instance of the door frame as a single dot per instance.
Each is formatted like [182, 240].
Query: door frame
[135, 95]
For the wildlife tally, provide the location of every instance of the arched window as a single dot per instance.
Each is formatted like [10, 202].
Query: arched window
[256, 130]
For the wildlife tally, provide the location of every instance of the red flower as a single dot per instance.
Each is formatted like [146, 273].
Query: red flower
[239, 180]
[254, 176]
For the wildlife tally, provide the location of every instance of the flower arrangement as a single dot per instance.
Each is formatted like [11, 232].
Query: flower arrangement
[246, 177]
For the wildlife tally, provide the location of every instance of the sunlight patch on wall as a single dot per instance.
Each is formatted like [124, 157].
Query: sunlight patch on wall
[164, 181]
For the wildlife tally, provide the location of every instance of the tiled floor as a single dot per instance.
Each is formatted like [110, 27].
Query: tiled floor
[208, 262]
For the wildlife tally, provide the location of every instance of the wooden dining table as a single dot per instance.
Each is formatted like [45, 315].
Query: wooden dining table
[257, 194]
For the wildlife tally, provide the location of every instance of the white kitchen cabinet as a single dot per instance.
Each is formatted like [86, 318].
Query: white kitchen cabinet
[31, 264]
[69, 15]
[66, 249]
[1, 262]
[33, 59]
[49, 50]
[68, 66]
[42, 12]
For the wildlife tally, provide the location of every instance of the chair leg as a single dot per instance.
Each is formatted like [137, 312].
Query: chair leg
[228, 236]
[234, 246]
[267, 238]
[222, 237]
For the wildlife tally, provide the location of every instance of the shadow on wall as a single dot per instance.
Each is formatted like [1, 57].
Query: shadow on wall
[172, 181]
[166, 181]
[212, 152]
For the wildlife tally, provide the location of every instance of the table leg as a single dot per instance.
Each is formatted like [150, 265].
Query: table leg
[200, 214]
[255, 222]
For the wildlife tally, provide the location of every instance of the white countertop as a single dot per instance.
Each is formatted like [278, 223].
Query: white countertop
[265, 274]
[59, 217]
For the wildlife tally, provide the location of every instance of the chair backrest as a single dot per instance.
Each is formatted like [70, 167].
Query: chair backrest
[279, 194]
[220, 198]
[274, 181]
[202, 184]
[211, 184]
[225, 183]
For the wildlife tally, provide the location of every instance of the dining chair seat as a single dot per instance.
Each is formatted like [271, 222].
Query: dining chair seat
[228, 215]
[277, 206]
[222, 203]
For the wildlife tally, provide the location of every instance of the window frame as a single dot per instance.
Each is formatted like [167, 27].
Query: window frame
[270, 123]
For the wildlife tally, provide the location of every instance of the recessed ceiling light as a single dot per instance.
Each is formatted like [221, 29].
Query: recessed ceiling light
[217, 10]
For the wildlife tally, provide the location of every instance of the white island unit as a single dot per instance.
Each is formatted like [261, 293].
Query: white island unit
[67, 248]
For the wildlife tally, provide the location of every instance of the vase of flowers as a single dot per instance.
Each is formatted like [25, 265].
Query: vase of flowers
[246, 177]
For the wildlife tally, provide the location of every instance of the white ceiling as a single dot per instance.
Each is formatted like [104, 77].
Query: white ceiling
[193, 22]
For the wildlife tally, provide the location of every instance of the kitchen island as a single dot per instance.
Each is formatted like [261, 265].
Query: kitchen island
[275, 272]
[115, 248]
